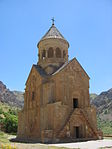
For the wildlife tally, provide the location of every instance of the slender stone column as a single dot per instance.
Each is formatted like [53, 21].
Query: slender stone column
[54, 53]
[46, 53]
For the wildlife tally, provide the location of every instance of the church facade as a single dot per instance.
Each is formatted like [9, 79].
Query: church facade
[56, 100]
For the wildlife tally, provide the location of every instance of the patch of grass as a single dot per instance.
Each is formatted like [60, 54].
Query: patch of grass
[3, 137]
[4, 141]
[108, 138]
[7, 146]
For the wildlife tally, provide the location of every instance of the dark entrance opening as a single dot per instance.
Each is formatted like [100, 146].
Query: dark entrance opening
[76, 129]
[75, 103]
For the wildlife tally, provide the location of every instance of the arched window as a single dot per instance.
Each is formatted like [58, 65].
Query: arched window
[43, 54]
[64, 54]
[58, 53]
[50, 52]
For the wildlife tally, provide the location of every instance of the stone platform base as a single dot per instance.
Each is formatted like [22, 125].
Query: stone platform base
[47, 141]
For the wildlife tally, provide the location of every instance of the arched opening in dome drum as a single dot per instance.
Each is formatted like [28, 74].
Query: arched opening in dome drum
[58, 53]
[50, 52]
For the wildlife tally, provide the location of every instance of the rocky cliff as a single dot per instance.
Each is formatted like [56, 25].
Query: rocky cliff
[12, 98]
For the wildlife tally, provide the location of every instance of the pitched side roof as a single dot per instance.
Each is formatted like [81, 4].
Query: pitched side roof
[62, 67]
[67, 63]
[40, 70]
[53, 32]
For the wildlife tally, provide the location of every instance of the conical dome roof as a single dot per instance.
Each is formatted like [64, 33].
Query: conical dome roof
[53, 32]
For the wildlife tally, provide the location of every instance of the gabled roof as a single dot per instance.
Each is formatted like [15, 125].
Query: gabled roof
[67, 63]
[53, 32]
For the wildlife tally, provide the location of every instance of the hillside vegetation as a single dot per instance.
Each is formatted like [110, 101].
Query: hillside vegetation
[103, 104]
[8, 118]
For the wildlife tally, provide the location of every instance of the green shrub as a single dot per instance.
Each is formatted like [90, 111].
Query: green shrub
[1, 111]
[1, 120]
[106, 112]
[12, 112]
[10, 123]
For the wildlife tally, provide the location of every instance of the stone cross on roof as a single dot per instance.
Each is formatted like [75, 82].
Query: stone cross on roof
[53, 21]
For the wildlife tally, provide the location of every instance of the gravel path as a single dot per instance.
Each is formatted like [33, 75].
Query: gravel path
[88, 145]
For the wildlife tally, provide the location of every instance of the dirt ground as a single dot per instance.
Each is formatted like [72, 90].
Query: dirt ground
[105, 143]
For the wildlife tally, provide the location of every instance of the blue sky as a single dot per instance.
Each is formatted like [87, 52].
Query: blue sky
[86, 24]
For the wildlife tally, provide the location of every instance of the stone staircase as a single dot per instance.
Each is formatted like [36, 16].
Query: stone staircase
[85, 117]
[64, 125]
[61, 132]
[70, 117]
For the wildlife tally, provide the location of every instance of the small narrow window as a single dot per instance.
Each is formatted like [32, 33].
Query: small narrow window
[39, 56]
[33, 95]
[75, 103]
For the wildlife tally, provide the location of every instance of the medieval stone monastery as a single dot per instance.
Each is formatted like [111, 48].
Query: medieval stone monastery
[56, 100]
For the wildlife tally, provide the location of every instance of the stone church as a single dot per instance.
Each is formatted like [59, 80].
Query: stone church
[56, 100]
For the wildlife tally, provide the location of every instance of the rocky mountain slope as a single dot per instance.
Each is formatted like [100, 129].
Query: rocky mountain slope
[12, 98]
[103, 103]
